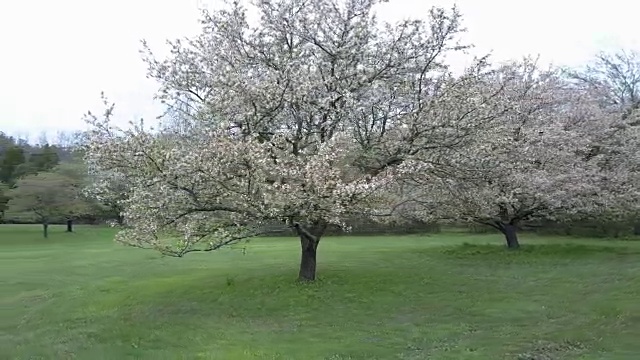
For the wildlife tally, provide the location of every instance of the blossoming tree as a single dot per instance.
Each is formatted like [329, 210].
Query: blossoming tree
[534, 161]
[301, 118]
[46, 196]
[109, 189]
[614, 78]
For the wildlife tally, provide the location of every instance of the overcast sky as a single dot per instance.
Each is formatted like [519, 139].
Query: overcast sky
[57, 56]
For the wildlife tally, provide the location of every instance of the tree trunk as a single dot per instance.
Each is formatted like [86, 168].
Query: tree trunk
[508, 229]
[309, 240]
[120, 220]
[69, 225]
[308, 259]
[636, 229]
[510, 232]
[45, 230]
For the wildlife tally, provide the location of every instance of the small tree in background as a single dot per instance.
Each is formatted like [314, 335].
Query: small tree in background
[79, 205]
[45, 197]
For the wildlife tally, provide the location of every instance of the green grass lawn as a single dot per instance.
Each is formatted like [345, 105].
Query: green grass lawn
[81, 296]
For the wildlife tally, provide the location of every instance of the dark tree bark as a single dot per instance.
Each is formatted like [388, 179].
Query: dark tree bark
[69, 225]
[636, 229]
[120, 220]
[510, 232]
[309, 240]
[45, 229]
[508, 229]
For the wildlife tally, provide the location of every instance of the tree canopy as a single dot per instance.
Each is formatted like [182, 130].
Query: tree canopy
[319, 112]
[44, 196]
[535, 161]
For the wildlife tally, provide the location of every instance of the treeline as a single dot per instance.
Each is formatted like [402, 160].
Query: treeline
[19, 158]
[47, 183]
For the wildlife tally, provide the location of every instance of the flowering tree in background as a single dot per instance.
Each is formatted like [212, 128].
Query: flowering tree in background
[533, 163]
[45, 196]
[302, 119]
[614, 78]
[110, 189]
